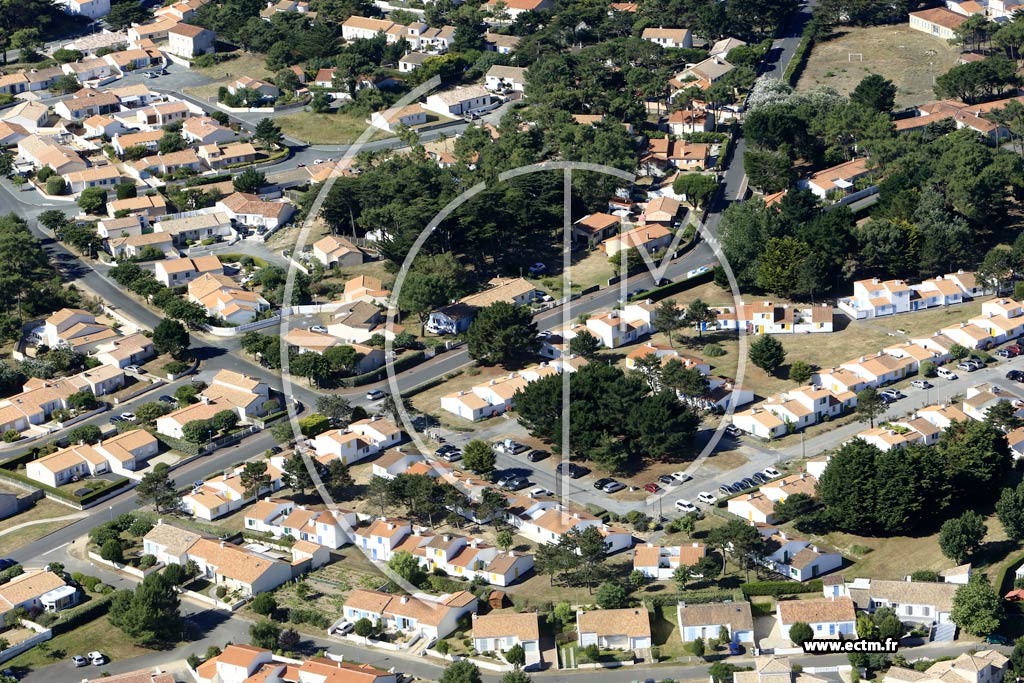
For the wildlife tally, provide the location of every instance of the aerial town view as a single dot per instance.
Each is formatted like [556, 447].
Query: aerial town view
[511, 341]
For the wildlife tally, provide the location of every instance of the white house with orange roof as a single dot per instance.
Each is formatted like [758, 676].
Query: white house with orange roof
[839, 178]
[875, 298]
[513, 8]
[1003, 318]
[880, 368]
[495, 396]
[620, 327]
[760, 422]
[203, 130]
[968, 282]
[938, 291]
[648, 238]
[942, 416]
[969, 335]
[359, 440]
[124, 351]
[225, 493]
[383, 537]
[456, 317]
[780, 489]
[755, 507]
[35, 404]
[122, 454]
[223, 298]
[661, 561]
[793, 410]
[261, 515]
[238, 569]
[365, 288]
[240, 663]
[917, 353]
[615, 629]
[796, 558]
[546, 522]
[104, 177]
[179, 272]
[471, 558]
[431, 616]
[897, 435]
[229, 390]
[594, 228]
[330, 528]
[765, 317]
[76, 329]
[665, 354]
[500, 631]
[937, 342]
[668, 37]
[980, 398]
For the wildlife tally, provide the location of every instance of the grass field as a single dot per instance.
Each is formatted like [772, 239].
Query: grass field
[250, 64]
[43, 509]
[97, 634]
[326, 129]
[908, 58]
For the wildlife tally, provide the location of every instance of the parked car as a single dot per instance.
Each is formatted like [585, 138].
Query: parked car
[760, 478]
[517, 483]
[130, 417]
[734, 431]
[893, 394]
[150, 74]
[275, 450]
[198, 483]
[997, 639]
[739, 486]
[97, 658]
[966, 367]
[1015, 375]
[375, 394]
[686, 506]
[726, 490]
[168, 399]
[318, 328]
[536, 455]
[510, 446]
[452, 456]
[651, 487]
[572, 470]
[506, 478]
[116, 418]
[79, 660]
[977, 363]
[706, 498]
[600, 483]
[667, 480]
[6, 563]
[681, 477]
[946, 373]
[133, 368]
[921, 384]
[749, 482]
[1007, 353]
[540, 492]
[538, 269]
[343, 627]
[613, 486]
[771, 472]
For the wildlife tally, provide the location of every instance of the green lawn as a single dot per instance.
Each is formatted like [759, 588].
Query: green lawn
[326, 129]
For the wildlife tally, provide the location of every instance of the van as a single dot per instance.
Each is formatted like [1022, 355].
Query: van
[948, 374]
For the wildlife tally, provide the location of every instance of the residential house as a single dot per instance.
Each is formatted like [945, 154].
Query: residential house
[87, 102]
[76, 329]
[240, 663]
[702, 622]
[594, 228]
[188, 41]
[765, 317]
[942, 416]
[686, 121]
[202, 130]
[615, 629]
[513, 8]
[134, 349]
[147, 206]
[30, 115]
[250, 210]
[668, 37]
[755, 507]
[185, 160]
[365, 288]
[646, 238]
[431, 616]
[546, 521]
[505, 78]
[459, 101]
[455, 318]
[129, 226]
[412, 61]
[501, 630]
[880, 369]
[391, 119]
[357, 322]
[500, 43]
[335, 251]
[900, 434]
[330, 528]
[969, 335]
[359, 440]
[984, 666]
[722, 48]
[100, 125]
[169, 544]
[37, 590]
[132, 246]
[228, 390]
[663, 210]
[89, 69]
[267, 91]
[240, 570]
[11, 133]
[364, 28]
[42, 152]
[979, 399]
[162, 113]
[620, 327]
[40, 397]
[221, 297]
[149, 139]
[225, 493]
[660, 562]
[121, 454]
[178, 272]
[13, 84]
[838, 179]
[796, 558]
[917, 601]
[828, 618]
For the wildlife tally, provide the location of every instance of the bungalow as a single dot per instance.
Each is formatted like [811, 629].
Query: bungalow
[335, 251]
[42, 79]
[546, 521]
[412, 61]
[969, 335]
[149, 139]
[432, 617]
[827, 618]
[500, 43]
[660, 562]
[701, 622]
[100, 125]
[874, 298]
[162, 113]
[796, 558]
[240, 570]
[248, 209]
[186, 229]
[365, 288]
[505, 78]
[839, 178]
[124, 351]
[594, 228]
[646, 238]
[225, 493]
[765, 317]
[615, 629]
[663, 210]
[11, 133]
[356, 323]
[132, 245]
[13, 84]
[685, 121]
[155, 30]
[267, 91]
[37, 590]
[240, 663]
[500, 631]
[918, 601]
[145, 206]
[459, 101]
[330, 528]
[942, 416]
[513, 8]
[202, 130]
[40, 397]
[90, 69]
[455, 318]
[30, 115]
[984, 666]
[471, 558]
[177, 272]
[121, 454]
[359, 440]
[393, 118]
[42, 152]
[899, 435]
[668, 37]
[880, 369]
[186, 40]
[383, 537]
[723, 47]
[224, 299]
[228, 390]
[87, 102]
[979, 399]
[76, 329]
[938, 21]
[840, 381]
[364, 28]
[185, 160]
[755, 507]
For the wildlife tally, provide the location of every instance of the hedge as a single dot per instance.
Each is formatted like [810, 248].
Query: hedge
[659, 293]
[800, 57]
[403, 363]
[777, 588]
[73, 618]
[696, 597]
[83, 501]
[23, 459]
[186, 447]
[1004, 584]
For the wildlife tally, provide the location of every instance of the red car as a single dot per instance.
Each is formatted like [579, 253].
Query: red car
[652, 487]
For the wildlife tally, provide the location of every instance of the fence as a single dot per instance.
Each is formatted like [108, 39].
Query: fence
[42, 634]
[125, 568]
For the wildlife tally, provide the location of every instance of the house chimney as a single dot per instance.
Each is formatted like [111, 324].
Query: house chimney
[405, 599]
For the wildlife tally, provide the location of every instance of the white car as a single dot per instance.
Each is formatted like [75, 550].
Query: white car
[707, 498]
[541, 492]
[97, 658]
[771, 472]
[344, 627]
[375, 394]
[684, 505]
[681, 477]
[128, 416]
[318, 328]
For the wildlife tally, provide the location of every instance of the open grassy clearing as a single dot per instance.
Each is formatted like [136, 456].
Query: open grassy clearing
[43, 509]
[326, 129]
[30, 534]
[250, 64]
[910, 59]
[91, 636]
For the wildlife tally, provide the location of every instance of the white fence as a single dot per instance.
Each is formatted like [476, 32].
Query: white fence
[42, 634]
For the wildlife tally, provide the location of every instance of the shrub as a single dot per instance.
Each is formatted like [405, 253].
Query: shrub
[55, 185]
[713, 350]
[221, 592]
[147, 561]
[264, 604]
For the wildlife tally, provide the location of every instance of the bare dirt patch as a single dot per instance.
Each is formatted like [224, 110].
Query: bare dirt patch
[909, 58]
